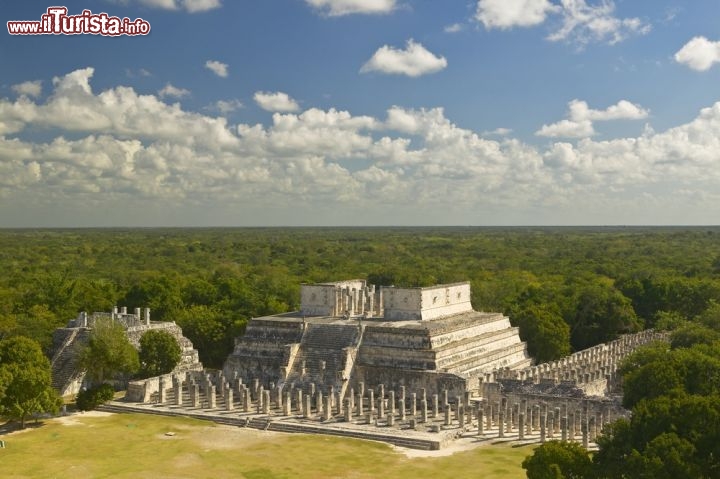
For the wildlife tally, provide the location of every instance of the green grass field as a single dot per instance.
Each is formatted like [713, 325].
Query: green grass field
[136, 446]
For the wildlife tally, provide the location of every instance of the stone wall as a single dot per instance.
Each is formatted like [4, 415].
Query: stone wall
[402, 304]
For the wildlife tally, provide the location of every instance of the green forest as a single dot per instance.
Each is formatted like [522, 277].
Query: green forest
[566, 288]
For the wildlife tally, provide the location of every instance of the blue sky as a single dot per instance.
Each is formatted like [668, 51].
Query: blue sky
[365, 112]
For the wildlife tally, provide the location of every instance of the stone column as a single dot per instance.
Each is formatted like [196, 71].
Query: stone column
[247, 401]
[521, 426]
[360, 411]
[266, 402]
[195, 396]
[287, 404]
[178, 393]
[307, 411]
[556, 423]
[509, 419]
[448, 419]
[564, 428]
[299, 402]
[391, 402]
[229, 400]
[501, 423]
[413, 404]
[319, 402]
[212, 399]
[371, 400]
[542, 427]
[381, 407]
[161, 390]
[328, 408]
[424, 409]
[390, 419]
[480, 420]
[435, 406]
[348, 411]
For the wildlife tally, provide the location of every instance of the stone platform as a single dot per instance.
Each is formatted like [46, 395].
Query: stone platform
[347, 333]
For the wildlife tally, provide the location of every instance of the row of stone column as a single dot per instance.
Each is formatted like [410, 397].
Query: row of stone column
[524, 420]
[584, 366]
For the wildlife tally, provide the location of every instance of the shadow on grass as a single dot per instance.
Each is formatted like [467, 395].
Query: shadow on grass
[12, 426]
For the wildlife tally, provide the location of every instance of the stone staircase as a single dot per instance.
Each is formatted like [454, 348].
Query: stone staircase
[64, 361]
[323, 356]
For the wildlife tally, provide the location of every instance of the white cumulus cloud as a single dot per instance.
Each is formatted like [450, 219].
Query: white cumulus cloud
[29, 88]
[415, 60]
[277, 101]
[583, 23]
[581, 117]
[513, 13]
[227, 106]
[454, 28]
[699, 54]
[346, 7]
[218, 68]
[123, 153]
[170, 90]
[580, 22]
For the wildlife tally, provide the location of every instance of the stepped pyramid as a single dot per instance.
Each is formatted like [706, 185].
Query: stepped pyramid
[67, 378]
[347, 333]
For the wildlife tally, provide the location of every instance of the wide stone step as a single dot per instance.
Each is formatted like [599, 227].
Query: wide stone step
[281, 426]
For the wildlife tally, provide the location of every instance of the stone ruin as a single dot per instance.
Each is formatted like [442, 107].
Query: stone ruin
[347, 333]
[68, 379]
[415, 367]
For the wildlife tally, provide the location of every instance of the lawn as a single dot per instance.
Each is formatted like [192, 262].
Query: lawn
[138, 446]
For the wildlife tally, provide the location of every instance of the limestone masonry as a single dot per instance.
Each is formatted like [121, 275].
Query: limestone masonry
[415, 367]
[347, 333]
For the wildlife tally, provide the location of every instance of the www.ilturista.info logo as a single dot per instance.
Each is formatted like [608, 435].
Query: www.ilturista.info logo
[57, 22]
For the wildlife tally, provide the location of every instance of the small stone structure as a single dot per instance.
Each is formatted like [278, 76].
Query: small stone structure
[67, 378]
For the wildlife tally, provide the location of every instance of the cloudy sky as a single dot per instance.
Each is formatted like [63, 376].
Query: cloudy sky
[365, 112]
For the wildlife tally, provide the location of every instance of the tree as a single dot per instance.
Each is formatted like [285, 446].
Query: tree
[691, 334]
[108, 352]
[25, 385]
[558, 460]
[666, 437]
[601, 315]
[159, 353]
[546, 333]
[212, 332]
